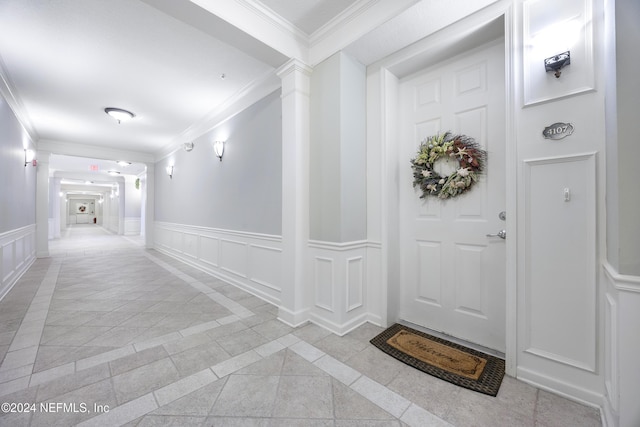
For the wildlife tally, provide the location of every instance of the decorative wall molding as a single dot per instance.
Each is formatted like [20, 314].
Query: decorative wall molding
[132, 226]
[621, 346]
[579, 76]
[558, 386]
[17, 253]
[550, 214]
[621, 282]
[251, 261]
[338, 298]
[338, 272]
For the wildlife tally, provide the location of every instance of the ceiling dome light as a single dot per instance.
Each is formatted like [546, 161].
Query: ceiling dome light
[119, 114]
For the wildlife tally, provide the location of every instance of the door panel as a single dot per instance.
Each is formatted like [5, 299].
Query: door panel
[452, 274]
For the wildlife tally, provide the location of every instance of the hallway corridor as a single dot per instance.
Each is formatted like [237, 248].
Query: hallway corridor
[107, 333]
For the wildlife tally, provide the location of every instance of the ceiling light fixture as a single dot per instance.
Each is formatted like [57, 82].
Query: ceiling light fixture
[113, 173]
[119, 114]
[123, 163]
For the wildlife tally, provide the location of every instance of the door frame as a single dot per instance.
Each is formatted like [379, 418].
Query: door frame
[383, 90]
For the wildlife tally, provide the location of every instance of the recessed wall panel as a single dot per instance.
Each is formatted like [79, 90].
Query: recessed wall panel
[233, 257]
[266, 265]
[7, 260]
[209, 249]
[355, 283]
[190, 242]
[324, 282]
[550, 28]
[561, 265]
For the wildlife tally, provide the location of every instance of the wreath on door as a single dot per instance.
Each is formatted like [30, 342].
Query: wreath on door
[471, 159]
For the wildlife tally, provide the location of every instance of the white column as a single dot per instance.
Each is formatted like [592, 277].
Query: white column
[42, 205]
[121, 204]
[295, 76]
[149, 189]
[55, 202]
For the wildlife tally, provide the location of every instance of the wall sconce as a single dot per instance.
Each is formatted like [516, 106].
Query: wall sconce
[218, 148]
[557, 62]
[29, 157]
[169, 170]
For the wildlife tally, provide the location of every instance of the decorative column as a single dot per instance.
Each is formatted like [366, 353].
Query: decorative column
[55, 202]
[121, 202]
[295, 77]
[149, 218]
[42, 205]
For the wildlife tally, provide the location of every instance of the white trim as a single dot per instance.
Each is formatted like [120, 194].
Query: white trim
[10, 94]
[17, 253]
[561, 388]
[253, 271]
[583, 58]
[621, 282]
[334, 246]
[91, 151]
[253, 92]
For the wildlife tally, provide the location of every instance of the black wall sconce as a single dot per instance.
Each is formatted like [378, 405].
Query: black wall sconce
[218, 148]
[557, 62]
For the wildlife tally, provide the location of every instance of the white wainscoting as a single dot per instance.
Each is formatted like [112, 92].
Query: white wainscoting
[251, 261]
[339, 274]
[621, 347]
[17, 253]
[558, 303]
[131, 226]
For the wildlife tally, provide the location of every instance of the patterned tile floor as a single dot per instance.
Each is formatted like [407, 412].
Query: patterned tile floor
[106, 333]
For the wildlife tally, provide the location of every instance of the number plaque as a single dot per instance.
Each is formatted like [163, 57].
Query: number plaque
[557, 131]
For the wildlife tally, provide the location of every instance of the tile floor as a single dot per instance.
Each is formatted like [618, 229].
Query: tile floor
[106, 333]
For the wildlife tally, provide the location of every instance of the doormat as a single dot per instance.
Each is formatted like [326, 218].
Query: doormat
[443, 359]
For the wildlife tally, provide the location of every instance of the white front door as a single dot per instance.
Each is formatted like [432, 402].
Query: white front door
[452, 274]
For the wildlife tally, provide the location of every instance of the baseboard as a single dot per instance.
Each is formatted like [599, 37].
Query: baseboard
[566, 390]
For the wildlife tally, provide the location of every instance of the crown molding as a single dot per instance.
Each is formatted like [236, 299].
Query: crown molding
[260, 23]
[354, 22]
[91, 151]
[9, 93]
[241, 100]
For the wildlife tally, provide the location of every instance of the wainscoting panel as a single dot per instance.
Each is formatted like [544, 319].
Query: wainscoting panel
[621, 347]
[132, 226]
[339, 285]
[234, 257]
[261, 262]
[17, 253]
[355, 283]
[190, 244]
[324, 282]
[251, 261]
[561, 265]
[209, 250]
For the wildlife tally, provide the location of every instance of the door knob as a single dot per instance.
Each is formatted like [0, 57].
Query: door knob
[501, 234]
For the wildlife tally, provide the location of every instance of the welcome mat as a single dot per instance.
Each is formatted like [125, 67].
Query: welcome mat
[443, 359]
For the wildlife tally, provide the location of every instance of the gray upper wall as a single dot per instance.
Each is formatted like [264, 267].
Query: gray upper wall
[17, 182]
[243, 192]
